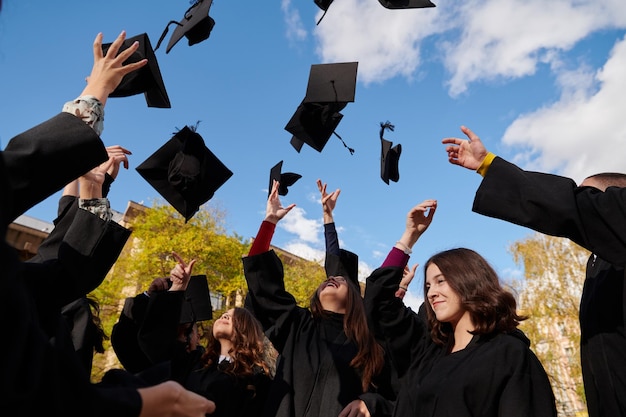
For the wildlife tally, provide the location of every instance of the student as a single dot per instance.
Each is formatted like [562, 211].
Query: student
[231, 371]
[82, 314]
[592, 215]
[328, 359]
[41, 373]
[468, 358]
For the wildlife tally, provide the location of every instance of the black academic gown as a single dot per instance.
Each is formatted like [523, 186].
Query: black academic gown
[496, 375]
[77, 313]
[595, 220]
[40, 371]
[313, 377]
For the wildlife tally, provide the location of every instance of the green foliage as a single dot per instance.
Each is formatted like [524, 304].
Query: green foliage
[159, 231]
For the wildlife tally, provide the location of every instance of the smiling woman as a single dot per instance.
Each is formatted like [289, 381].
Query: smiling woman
[329, 361]
[468, 345]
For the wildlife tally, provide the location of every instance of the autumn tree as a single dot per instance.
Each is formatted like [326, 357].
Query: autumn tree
[158, 231]
[554, 272]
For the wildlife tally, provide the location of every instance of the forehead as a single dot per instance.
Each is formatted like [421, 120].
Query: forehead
[432, 272]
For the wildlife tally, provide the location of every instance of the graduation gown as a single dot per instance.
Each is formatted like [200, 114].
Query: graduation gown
[313, 377]
[595, 220]
[40, 371]
[496, 375]
[77, 313]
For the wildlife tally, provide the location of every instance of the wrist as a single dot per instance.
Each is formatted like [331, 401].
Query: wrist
[404, 247]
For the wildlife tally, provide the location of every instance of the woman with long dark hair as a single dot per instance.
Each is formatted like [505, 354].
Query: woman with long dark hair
[466, 357]
[328, 358]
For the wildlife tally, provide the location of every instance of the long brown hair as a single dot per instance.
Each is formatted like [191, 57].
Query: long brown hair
[370, 355]
[491, 307]
[248, 347]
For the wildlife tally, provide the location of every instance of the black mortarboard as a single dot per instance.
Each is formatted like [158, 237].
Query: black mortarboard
[197, 303]
[406, 4]
[185, 172]
[346, 264]
[324, 5]
[389, 156]
[145, 80]
[314, 123]
[196, 25]
[286, 179]
[331, 83]
[330, 88]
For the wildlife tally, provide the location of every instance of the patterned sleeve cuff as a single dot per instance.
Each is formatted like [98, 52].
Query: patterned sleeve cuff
[98, 206]
[89, 109]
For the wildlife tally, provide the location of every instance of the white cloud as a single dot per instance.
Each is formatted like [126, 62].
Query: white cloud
[485, 40]
[507, 38]
[305, 251]
[295, 28]
[307, 230]
[582, 133]
[413, 299]
[386, 43]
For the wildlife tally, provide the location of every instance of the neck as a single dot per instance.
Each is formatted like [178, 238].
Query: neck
[225, 347]
[334, 307]
[462, 335]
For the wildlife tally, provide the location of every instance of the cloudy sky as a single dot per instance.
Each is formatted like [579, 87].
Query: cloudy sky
[542, 83]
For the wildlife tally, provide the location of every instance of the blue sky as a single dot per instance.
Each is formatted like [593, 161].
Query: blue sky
[542, 84]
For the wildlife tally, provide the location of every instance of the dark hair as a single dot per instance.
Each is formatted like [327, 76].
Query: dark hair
[491, 307]
[248, 345]
[370, 355]
[604, 180]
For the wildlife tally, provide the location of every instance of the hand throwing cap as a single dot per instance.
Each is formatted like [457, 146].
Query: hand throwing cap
[196, 25]
[406, 4]
[145, 80]
[389, 156]
[346, 264]
[286, 179]
[197, 303]
[185, 172]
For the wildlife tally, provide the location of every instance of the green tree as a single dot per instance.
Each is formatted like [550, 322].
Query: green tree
[158, 231]
[554, 272]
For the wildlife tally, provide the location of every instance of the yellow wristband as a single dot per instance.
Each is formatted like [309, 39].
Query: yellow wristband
[484, 166]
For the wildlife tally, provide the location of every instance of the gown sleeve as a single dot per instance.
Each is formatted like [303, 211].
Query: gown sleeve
[556, 206]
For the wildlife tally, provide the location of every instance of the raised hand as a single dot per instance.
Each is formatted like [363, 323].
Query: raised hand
[119, 156]
[329, 201]
[108, 71]
[274, 211]
[181, 273]
[468, 153]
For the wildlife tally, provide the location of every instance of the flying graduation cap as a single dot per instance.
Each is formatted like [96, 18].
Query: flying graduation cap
[389, 156]
[146, 80]
[330, 88]
[286, 179]
[197, 303]
[196, 25]
[324, 5]
[406, 4]
[185, 172]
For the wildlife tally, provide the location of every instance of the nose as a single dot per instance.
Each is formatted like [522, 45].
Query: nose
[431, 293]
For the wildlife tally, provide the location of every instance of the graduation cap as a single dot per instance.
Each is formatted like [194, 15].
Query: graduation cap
[197, 304]
[324, 5]
[185, 172]
[389, 156]
[286, 179]
[196, 25]
[346, 264]
[330, 88]
[145, 80]
[406, 4]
